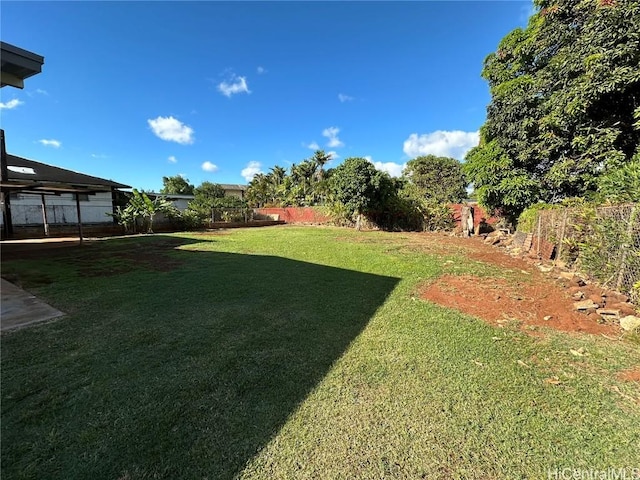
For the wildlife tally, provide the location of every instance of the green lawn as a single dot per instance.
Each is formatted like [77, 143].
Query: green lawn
[294, 352]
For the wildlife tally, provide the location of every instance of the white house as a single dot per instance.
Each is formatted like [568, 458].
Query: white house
[41, 194]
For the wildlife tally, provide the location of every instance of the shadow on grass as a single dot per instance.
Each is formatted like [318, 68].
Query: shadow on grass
[185, 373]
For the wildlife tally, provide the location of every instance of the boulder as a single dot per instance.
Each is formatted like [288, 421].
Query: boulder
[630, 323]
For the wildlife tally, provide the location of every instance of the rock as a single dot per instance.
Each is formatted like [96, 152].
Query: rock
[585, 305]
[545, 268]
[630, 323]
[566, 275]
[608, 312]
[624, 308]
[578, 296]
[547, 318]
[494, 237]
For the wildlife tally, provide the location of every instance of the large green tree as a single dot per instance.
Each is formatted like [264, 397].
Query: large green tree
[360, 188]
[206, 197]
[437, 178]
[176, 185]
[565, 106]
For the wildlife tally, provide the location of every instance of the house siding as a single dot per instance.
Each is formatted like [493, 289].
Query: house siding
[26, 209]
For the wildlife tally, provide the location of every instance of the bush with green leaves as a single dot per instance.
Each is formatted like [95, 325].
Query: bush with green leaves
[140, 212]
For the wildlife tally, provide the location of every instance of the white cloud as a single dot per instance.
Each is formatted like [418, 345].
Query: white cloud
[332, 134]
[209, 167]
[41, 91]
[344, 98]
[455, 143]
[171, 130]
[99, 155]
[51, 143]
[261, 70]
[333, 155]
[235, 85]
[172, 159]
[313, 146]
[11, 104]
[393, 169]
[251, 170]
[183, 175]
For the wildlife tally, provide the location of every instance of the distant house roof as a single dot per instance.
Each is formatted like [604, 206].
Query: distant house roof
[18, 64]
[233, 186]
[171, 196]
[28, 175]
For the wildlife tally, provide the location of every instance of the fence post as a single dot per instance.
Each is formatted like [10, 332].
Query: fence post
[539, 227]
[562, 232]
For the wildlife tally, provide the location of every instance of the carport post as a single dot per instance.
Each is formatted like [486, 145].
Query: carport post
[79, 216]
[7, 224]
[44, 216]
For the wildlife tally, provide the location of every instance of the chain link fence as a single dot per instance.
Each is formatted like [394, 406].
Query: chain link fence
[603, 242]
[232, 215]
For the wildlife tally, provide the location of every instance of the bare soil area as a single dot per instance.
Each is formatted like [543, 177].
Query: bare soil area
[529, 296]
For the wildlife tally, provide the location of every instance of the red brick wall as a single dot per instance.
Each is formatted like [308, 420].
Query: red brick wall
[296, 214]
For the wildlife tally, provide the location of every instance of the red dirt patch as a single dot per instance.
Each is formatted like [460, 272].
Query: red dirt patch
[631, 375]
[496, 300]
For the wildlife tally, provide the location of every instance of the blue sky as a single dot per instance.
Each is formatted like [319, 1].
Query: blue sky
[217, 91]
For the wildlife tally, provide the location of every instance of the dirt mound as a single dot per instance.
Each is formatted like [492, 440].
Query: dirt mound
[541, 303]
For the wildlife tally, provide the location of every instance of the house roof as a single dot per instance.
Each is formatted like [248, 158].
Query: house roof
[28, 175]
[18, 64]
[171, 196]
[233, 186]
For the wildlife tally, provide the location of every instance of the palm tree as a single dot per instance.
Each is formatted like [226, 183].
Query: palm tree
[320, 158]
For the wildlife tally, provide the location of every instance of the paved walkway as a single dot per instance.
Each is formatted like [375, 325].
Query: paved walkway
[19, 308]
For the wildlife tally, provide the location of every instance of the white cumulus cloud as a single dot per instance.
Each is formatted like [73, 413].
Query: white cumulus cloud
[171, 129]
[442, 143]
[172, 159]
[261, 70]
[333, 155]
[313, 146]
[393, 169]
[332, 134]
[13, 103]
[209, 167]
[51, 143]
[251, 170]
[344, 98]
[235, 85]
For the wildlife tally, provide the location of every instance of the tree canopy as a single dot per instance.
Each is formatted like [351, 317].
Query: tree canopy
[358, 186]
[437, 178]
[305, 184]
[205, 197]
[176, 185]
[565, 104]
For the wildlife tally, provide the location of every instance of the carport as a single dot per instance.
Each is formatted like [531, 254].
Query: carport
[19, 175]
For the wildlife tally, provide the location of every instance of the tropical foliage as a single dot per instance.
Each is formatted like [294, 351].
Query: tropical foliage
[177, 185]
[565, 106]
[139, 213]
[305, 184]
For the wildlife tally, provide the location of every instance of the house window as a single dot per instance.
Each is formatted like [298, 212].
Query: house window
[83, 197]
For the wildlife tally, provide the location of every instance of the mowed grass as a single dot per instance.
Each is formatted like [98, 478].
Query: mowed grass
[295, 352]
